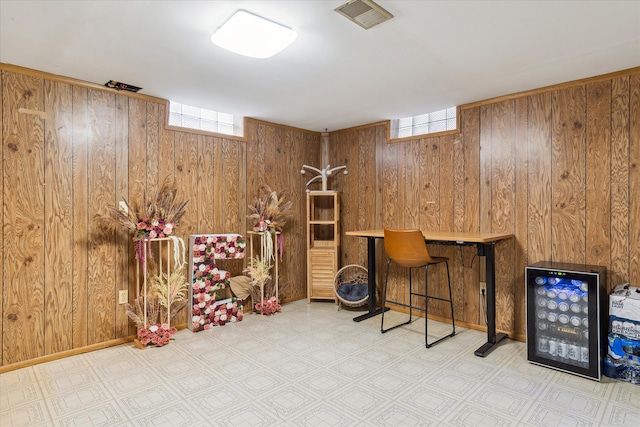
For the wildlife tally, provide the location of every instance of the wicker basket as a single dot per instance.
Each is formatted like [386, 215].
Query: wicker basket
[349, 285]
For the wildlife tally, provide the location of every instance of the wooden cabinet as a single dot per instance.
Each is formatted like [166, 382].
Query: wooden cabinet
[323, 243]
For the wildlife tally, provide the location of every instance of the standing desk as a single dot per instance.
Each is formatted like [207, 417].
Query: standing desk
[485, 243]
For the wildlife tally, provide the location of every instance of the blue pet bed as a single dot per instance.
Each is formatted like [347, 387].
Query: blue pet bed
[351, 285]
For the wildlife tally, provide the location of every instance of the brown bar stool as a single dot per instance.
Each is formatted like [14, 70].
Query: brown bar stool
[408, 248]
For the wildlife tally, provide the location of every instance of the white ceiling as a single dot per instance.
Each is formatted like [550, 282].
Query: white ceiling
[431, 55]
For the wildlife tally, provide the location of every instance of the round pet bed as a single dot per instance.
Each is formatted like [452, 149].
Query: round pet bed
[351, 285]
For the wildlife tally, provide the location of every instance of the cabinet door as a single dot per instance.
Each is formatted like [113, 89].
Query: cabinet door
[321, 273]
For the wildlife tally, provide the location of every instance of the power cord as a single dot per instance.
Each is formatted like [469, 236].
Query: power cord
[484, 305]
[462, 259]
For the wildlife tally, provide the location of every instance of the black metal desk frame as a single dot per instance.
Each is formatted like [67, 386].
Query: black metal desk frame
[484, 249]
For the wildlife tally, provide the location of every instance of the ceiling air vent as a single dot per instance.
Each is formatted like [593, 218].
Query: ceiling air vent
[365, 13]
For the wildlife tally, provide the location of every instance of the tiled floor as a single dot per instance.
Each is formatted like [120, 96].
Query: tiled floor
[311, 365]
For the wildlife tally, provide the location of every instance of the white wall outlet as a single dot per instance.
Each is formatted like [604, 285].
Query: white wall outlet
[483, 288]
[123, 296]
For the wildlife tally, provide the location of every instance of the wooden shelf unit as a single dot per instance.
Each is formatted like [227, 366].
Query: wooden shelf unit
[323, 243]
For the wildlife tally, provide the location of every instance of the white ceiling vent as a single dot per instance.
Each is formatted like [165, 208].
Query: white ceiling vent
[365, 13]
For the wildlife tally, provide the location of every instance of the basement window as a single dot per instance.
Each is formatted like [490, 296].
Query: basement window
[187, 116]
[436, 122]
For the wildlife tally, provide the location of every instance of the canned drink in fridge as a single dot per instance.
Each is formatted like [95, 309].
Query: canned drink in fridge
[542, 302]
[542, 314]
[585, 322]
[563, 349]
[575, 320]
[543, 344]
[563, 306]
[563, 294]
[552, 305]
[584, 287]
[552, 317]
[585, 298]
[585, 309]
[553, 347]
[541, 281]
[576, 308]
[552, 293]
[575, 296]
[584, 354]
[542, 325]
[574, 351]
[563, 318]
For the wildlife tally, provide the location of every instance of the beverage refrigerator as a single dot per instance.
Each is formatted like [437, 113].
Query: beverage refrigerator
[567, 317]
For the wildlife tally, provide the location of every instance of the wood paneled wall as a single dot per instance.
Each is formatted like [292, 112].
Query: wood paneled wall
[70, 150]
[559, 168]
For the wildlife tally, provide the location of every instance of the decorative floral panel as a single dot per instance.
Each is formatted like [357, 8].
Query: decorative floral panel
[206, 279]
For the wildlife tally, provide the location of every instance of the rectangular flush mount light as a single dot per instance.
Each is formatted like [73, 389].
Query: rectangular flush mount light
[250, 35]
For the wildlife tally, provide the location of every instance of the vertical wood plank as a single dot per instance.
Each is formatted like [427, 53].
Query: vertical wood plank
[101, 274]
[461, 285]
[412, 184]
[568, 178]
[388, 212]
[539, 186]
[470, 127]
[58, 210]
[152, 146]
[620, 190]
[1, 214]
[485, 185]
[187, 180]
[485, 169]
[230, 184]
[210, 171]
[80, 216]
[294, 250]
[503, 207]
[367, 173]
[122, 237]
[166, 151]
[23, 228]
[598, 175]
[634, 178]
[430, 183]
[438, 282]
[137, 175]
[521, 213]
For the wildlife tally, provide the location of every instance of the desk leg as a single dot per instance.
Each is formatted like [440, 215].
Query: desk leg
[371, 267]
[487, 249]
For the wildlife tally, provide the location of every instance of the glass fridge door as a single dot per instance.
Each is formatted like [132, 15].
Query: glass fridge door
[562, 320]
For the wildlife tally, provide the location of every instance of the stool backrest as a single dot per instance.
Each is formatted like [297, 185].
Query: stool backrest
[407, 247]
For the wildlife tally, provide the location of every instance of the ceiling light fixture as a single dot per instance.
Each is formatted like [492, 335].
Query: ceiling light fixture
[251, 35]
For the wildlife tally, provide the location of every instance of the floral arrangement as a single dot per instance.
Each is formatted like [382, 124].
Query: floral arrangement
[223, 246]
[259, 271]
[167, 297]
[208, 280]
[257, 283]
[150, 229]
[268, 306]
[155, 335]
[210, 313]
[269, 210]
[156, 218]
